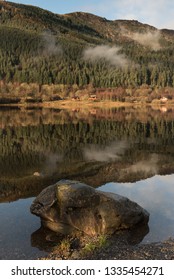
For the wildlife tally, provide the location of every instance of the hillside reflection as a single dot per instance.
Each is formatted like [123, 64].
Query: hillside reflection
[40, 147]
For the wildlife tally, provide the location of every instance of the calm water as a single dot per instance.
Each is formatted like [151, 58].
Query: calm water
[155, 195]
[17, 226]
[126, 151]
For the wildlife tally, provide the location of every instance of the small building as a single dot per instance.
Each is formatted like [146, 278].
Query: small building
[92, 97]
[76, 98]
[163, 99]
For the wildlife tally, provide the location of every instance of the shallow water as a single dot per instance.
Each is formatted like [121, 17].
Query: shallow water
[156, 195]
[120, 150]
[17, 225]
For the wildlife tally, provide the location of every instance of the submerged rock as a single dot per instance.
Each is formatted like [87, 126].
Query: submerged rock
[70, 205]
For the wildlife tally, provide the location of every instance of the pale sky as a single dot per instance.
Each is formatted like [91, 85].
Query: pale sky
[159, 13]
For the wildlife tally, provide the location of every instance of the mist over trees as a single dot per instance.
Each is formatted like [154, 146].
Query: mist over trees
[61, 50]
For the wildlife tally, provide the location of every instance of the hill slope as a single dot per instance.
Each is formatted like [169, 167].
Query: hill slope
[80, 48]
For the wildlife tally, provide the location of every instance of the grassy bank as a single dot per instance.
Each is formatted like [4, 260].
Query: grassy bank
[66, 96]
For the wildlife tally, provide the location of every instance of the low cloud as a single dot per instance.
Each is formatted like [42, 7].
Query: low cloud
[111, 54]
[149, 39]
[108, 153]
[148, 166]
[51, 163]
[50, 45]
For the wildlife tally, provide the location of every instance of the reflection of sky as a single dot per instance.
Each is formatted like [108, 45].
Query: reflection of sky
[156, 195]
[17, 225]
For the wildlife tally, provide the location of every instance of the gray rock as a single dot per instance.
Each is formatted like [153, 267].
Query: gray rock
[70, 205]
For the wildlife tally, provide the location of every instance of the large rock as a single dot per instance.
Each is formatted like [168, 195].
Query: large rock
[71, 205]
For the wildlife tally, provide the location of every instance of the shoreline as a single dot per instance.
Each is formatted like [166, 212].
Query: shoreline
[114, 248]
[75, 105]
[153, 251]
[69, 104]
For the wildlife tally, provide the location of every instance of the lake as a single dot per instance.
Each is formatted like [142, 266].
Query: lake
[123, 150]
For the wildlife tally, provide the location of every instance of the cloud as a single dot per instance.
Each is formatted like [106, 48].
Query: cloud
[108, 153]
[156, 196]
[111, 54]
[157, 13]
[149, 39]
[50, 46]
[146, 166]
[51, 163]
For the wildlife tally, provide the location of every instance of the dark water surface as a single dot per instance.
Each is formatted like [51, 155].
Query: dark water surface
[127, 151]
[17, 225]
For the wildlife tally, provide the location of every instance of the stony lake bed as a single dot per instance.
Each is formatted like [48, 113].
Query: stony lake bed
[121, 150]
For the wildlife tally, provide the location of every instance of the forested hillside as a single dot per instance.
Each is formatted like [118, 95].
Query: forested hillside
[37, 46]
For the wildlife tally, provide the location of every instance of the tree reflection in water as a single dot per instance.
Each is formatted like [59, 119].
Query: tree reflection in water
[120, 145]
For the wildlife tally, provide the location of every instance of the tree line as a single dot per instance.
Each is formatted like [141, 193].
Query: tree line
[24, 58]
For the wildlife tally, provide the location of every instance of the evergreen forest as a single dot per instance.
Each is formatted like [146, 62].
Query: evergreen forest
[37, 46]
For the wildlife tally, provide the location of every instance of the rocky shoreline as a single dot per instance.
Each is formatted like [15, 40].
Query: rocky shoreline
[153, 251]
[115, 247]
